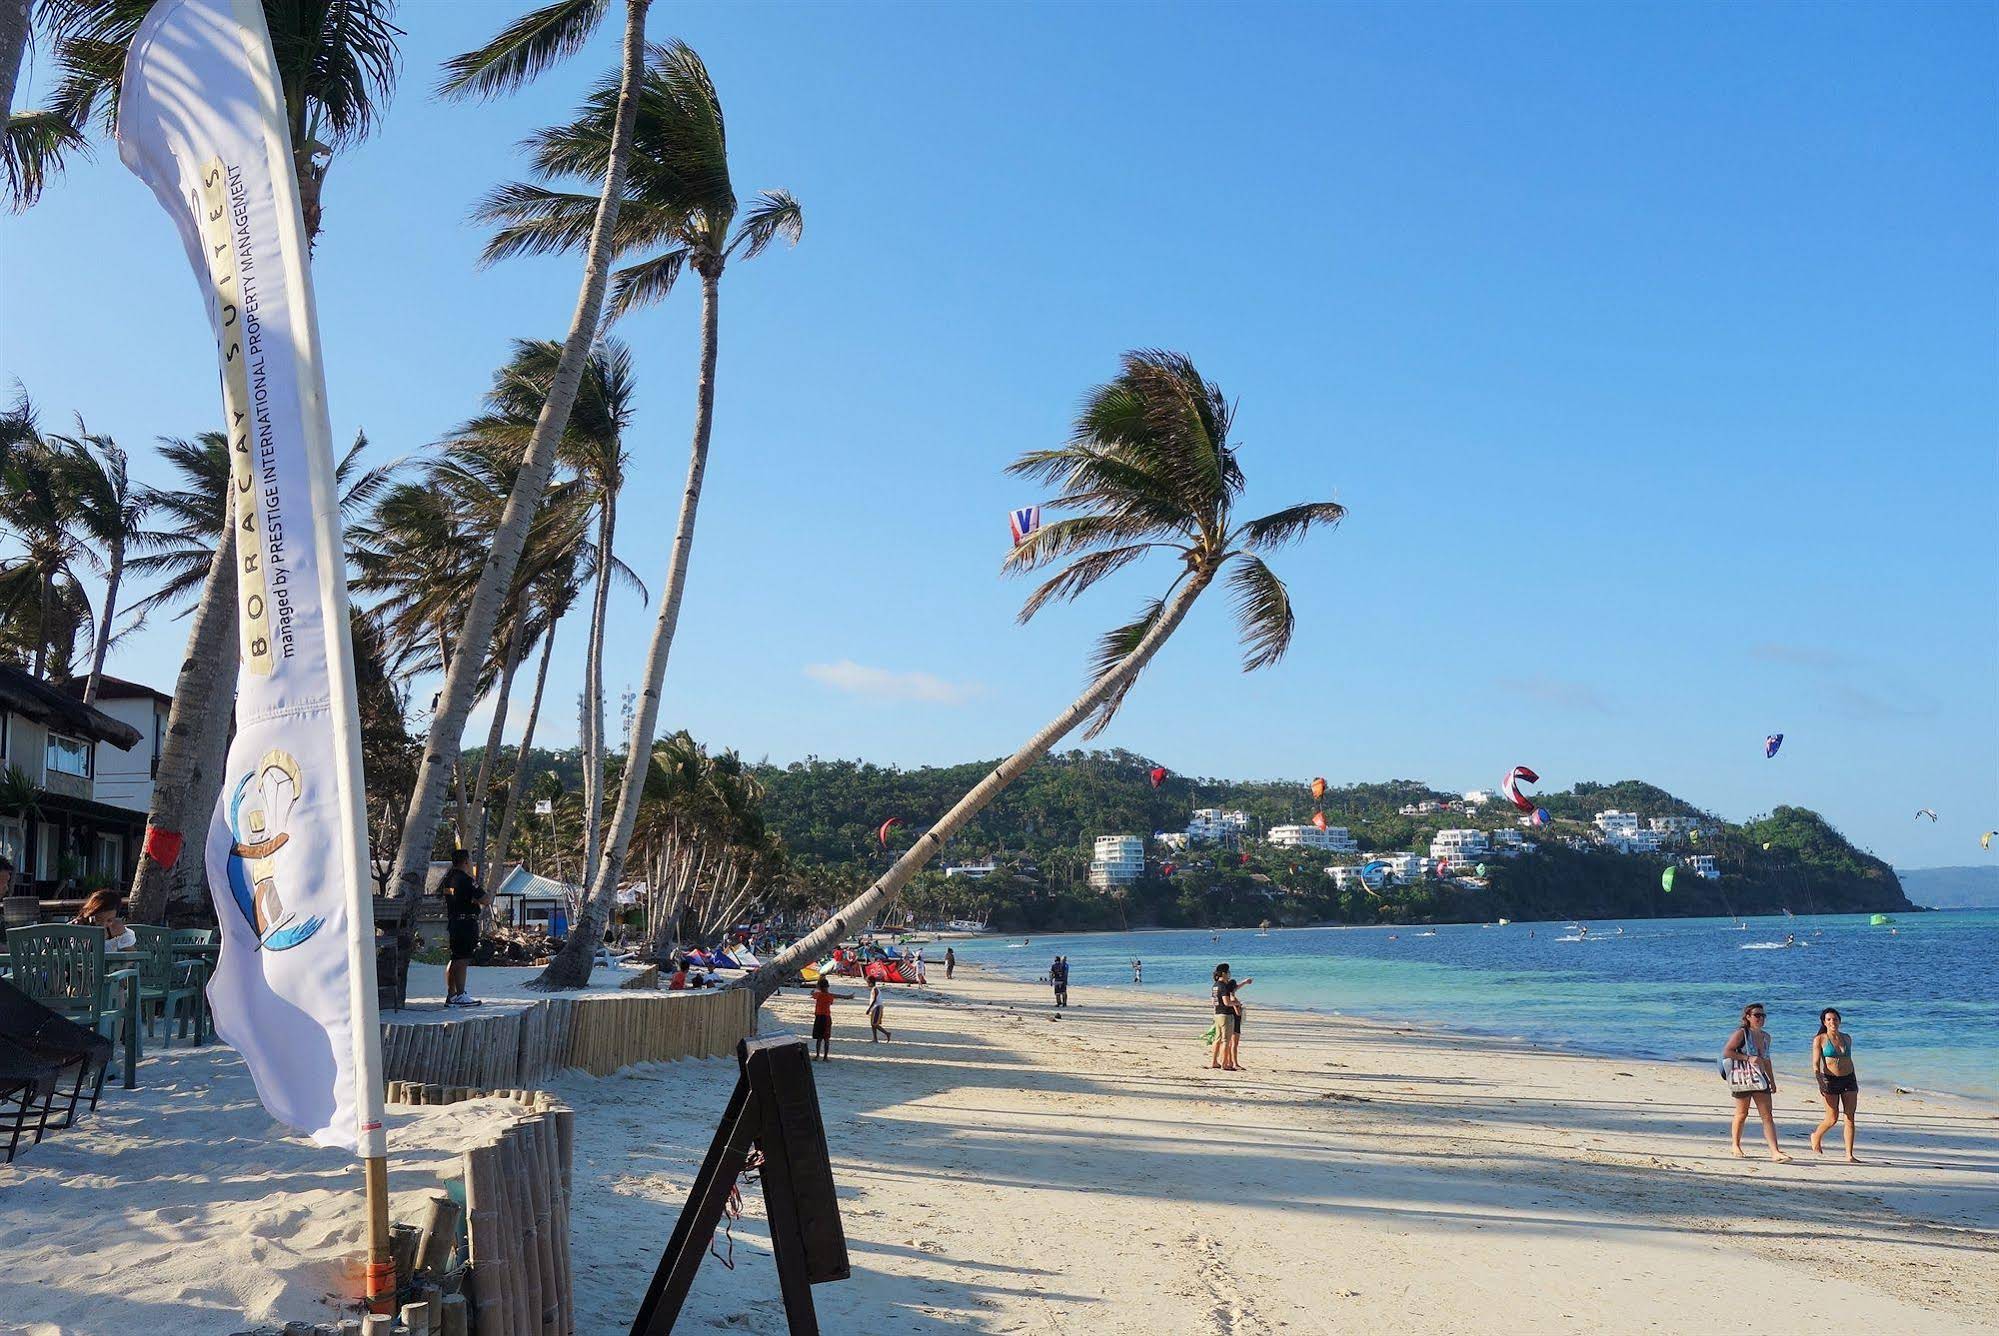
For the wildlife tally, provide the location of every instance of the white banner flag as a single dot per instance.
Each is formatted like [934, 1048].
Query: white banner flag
[201, 120]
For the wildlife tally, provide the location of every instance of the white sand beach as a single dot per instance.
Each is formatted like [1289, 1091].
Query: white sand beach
[1005, 1171]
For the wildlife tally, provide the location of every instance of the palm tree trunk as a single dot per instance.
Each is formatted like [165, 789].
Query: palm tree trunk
[482, 785]
[593, 691]
[447, 725]
[519, 777]
[13, 45]
[42, 628]
[872, 901]
[571, 968]
[116, 574]
[194, 751]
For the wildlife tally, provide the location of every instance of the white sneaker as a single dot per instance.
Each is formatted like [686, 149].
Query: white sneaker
[462, 1000]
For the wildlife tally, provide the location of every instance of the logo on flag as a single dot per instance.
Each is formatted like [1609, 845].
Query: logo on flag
[1023, 522]
[259, 817]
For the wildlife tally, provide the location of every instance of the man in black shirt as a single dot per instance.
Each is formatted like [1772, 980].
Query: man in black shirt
[462, 899]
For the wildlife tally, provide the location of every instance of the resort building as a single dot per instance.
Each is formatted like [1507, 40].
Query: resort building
[971, 871]
[1674, 826]
[1424, 808]
[125, 778]
[1636, 842]
[1406, 867]
[1210, 824]
[1172, 839]
[1333, 839]
[1118, 861]
[70, 839]
[1478, 797]
[1703, 865]
[1507, 841]
[1616, 823]
[1459, 847]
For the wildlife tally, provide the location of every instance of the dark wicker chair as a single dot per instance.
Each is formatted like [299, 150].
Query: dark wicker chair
[28, 1024]
[27, 1088]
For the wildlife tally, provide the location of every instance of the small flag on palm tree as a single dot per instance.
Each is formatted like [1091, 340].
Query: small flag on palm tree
[1023, 522]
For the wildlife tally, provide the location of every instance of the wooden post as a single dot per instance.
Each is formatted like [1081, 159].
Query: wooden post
[381, 1277]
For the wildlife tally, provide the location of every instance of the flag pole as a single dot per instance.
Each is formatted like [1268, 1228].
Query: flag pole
[379, 1289]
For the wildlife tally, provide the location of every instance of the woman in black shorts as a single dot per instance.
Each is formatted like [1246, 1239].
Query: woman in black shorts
[1839, 1086]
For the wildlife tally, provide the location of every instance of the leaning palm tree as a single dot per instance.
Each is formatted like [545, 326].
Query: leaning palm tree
[683, 212]
[1150, 469]
[42, 586]
[336, 61]
[517, 54]
[106, 509]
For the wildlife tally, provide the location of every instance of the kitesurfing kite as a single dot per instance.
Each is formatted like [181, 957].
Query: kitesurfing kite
[1023, 522]
[1666, 879]
[1540, 817]
[1318, 789]
[1771, 743]
[1928, 812]
[886, 826]
[1510, 786]
[1166, 869]
[1319, 820]
[1158, 775]
[1985, 840]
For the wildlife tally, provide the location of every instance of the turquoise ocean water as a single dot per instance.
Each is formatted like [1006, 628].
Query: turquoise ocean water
[1921, 999]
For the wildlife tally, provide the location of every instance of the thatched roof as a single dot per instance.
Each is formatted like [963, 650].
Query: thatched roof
[31, 698]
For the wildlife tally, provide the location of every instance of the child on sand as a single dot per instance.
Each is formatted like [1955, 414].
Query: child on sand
[822, 1020]
[876, 1031]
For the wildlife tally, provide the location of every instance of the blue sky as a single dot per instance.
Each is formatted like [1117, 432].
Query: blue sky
[1652, 349]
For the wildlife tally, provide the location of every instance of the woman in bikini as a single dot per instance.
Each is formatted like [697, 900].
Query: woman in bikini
[1839, 1087]
[1751, 1043]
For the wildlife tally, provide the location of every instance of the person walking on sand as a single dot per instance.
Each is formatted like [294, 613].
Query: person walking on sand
[1055, 980]
[822, 1020]
[950, 962]
[877, 1032]
[1137, 970]
[1061, 981]
[1839, 1086]
[1752, 1080]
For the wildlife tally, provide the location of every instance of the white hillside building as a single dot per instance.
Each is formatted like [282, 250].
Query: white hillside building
[1703, 865]
[1213, 823]
[1459, 847]
[1118, 861]
[1333, 839]
[1614, 823]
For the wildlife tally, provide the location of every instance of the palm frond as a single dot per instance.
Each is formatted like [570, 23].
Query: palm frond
[774, 215]
[1288, 525]
[1262, 607]
[1060, 538]
[646, 282]
[1113, 648]
[1075, 579]
[523, 49]
[36, 149]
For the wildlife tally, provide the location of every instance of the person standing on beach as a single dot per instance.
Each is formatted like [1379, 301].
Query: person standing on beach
[1748, 1054]
[1137, 970]
[1839, 1085]
[462, 898]
[1055, 980]
[1062, 981]
[876, 1031]
[1228, 1019]
[822, 1020]
[950, 962]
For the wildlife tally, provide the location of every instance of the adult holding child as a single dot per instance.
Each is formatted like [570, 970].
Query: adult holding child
[1751, 1080]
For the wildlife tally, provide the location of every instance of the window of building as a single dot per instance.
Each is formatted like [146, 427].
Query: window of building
[14, 846]
[108, 859]
[69, 756]
[45, 851]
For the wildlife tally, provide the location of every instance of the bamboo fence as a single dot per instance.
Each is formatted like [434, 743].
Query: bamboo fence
[517, 1190]
[514, 1049]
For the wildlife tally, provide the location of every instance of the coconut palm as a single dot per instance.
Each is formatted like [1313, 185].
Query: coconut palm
[522, 50]
[1150, 469]
[555, 594]
[336, 63]
[106, 509]
[593, 449]
[42, 586]
[682, 213]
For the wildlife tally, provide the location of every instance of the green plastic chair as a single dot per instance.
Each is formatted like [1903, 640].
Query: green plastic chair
[63, 968]
[201, 968]
[169, 987]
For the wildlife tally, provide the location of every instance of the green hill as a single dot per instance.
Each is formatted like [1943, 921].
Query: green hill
[1039, 833]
